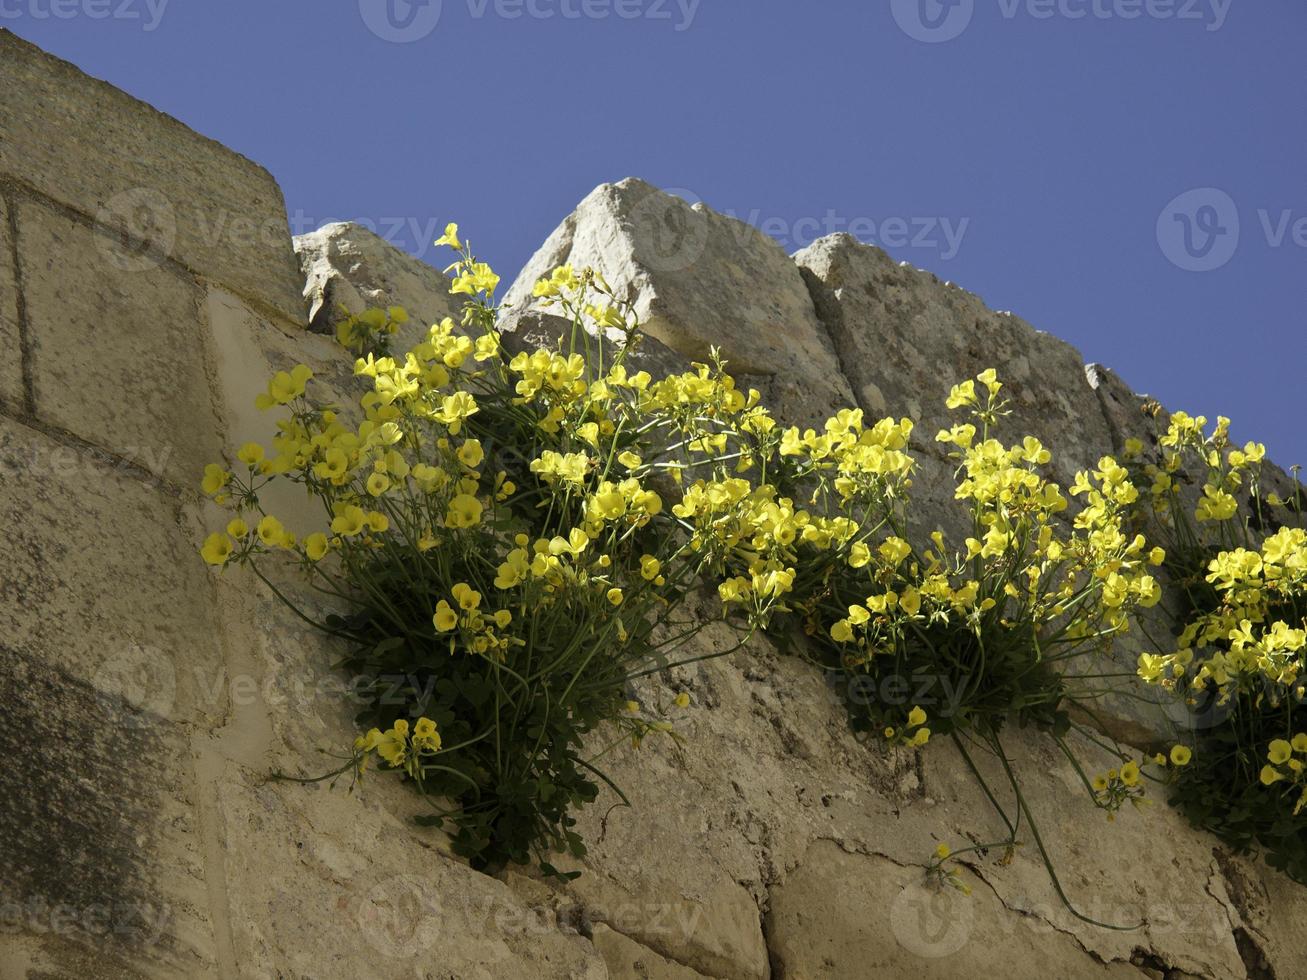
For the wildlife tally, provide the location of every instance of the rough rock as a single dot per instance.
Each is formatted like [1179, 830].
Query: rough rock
[904, 338]
[348, 266]
[11, 338]
[700, 279]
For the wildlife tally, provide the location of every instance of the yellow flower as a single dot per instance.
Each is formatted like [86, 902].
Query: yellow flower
[350, 521]
[467, 598]
[445, 618]
[464, 511]
[470, 454]
[251, 454]
[920, 738]
[989, 378]
[1269, 775]
[942, 852]
[1181, 754]
[1130, 773]
[1300, 742]
[1280, 751]
[393, 744]
[271, 532]
[237, 528]
[217, 548]
[425, 736]
[682, 700]
[215, 478]
[916, 717]
[614, 596]
[961, 394]
[315, 546]
[450, 237]
[650, 568]
[378, 483]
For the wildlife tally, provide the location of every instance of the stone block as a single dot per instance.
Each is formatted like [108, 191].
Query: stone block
[117, 356]
[135, 170]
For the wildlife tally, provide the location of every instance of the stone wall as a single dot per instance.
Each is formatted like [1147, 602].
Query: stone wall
[148, 285]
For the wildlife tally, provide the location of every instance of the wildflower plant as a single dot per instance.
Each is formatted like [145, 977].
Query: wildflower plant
[1017, 618]
[510, 539]
[1239, 648]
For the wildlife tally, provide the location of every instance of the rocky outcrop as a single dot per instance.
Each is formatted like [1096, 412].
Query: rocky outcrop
[147, 705]
[699, 280]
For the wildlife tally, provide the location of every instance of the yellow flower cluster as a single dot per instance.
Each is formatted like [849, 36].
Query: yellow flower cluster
[1284, 766]
[1256, 632]
[399, 747]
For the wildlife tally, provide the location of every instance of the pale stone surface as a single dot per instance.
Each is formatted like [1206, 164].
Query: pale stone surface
[699, 279]
[346, 265]
[131, 168]
[767, 768]
[628, 960]
[99, 578]
[117, 358]
[11, 345]
[904, 338]
[862, 917]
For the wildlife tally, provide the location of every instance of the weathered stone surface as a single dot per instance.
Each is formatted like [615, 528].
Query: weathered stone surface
[346, 265]
[117, 358]
[767, 769]
[904, 338]
[11, 346]
[133, 169]
[327, 883]
[248, 350]
[864, 916]
[99, 838]
[99, 579]
[628, 960]
[700, 279]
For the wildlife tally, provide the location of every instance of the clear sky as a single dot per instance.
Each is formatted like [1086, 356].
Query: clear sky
[1041, 153]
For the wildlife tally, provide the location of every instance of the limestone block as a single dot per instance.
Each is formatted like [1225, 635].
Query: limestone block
[100, 843]
[331, 884]
[137, 171]
[346, 265]
[11, 346]
[248, 350]
[99, 578]
[117, 356]
[628, 960]
[904, 338]
[863, 917]
[699, 279]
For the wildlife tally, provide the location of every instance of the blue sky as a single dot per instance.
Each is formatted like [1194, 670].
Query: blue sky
[1084, 163]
